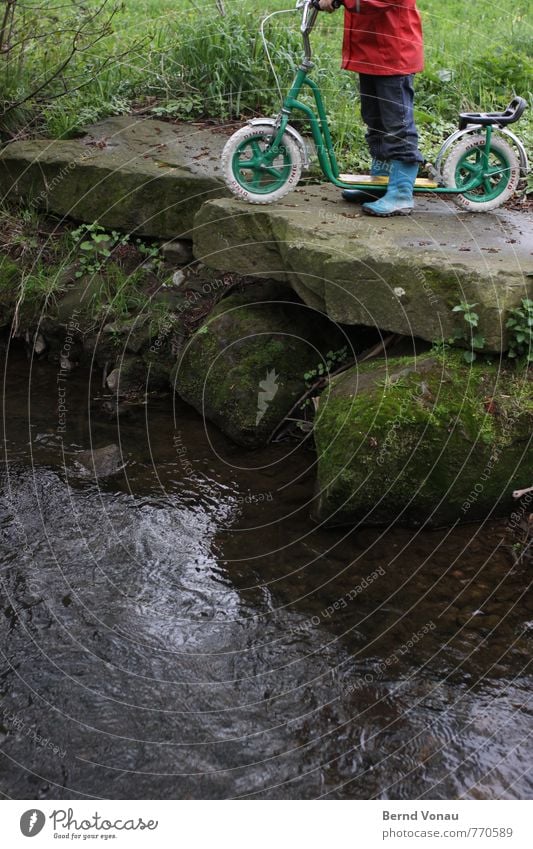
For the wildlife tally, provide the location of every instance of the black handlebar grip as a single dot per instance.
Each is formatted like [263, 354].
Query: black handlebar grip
[336, 4]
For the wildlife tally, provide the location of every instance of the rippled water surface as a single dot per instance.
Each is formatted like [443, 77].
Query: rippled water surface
[182, 630]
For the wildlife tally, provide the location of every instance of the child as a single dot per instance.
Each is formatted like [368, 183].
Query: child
[383, 43]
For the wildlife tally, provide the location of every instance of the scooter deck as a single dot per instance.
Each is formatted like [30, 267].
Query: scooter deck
[367, 180]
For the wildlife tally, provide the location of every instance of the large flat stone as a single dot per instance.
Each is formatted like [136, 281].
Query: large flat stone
[400, 274]
[141, 176]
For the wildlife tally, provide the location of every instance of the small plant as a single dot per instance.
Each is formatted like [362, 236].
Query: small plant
[38, 290]
[314, 377]
[182, 108]
[119, 296]
[331, 360]
[468, 334]
[520, 326]
[151, 253]
[440, 346]
[95, 246]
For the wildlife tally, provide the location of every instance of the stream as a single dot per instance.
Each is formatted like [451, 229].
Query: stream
[183, 630]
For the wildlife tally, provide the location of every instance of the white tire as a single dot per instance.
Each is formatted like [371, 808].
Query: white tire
[497, 189]
[259, 183]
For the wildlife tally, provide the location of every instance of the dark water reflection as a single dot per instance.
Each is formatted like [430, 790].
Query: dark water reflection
[184, 631]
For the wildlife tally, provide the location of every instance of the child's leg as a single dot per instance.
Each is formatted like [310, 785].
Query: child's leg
[395, 96]
[371, 115]
[399, 145]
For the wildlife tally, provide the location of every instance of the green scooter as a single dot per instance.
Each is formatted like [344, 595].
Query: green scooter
[478, 166]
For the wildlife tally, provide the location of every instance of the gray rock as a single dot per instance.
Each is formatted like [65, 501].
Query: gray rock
[403, 275]
[113, 380]
[178, 252]
[134, 333]
[244, 369]
[178, 278]
[134, 377]
[39, 344]
[129, 377]
[102, 462]
[426, 440]
[141, 176]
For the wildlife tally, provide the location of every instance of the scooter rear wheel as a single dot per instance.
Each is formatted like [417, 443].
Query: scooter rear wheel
[252, 177]
[496, 186]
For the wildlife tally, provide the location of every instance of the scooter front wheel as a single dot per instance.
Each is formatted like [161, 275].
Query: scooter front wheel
[496, 181]
[250, 170]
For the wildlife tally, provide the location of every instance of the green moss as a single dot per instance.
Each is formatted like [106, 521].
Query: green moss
[421, 440]
[9, 273]
[244, 369]
[9, 277]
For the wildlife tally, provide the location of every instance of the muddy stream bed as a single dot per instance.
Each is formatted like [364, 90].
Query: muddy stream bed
[182, 629]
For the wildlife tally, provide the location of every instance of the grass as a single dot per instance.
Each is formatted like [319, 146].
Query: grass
[185, 61]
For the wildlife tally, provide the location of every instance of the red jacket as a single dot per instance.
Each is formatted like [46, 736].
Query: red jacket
[382, 38]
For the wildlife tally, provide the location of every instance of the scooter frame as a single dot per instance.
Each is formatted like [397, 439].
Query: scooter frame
[322, 137]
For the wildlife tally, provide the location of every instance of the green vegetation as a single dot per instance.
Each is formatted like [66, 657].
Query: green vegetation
[180, 59]
[41, 262]
[441, 443]
[94, 246]
[520, 326]
[331, 361]
[468, 333]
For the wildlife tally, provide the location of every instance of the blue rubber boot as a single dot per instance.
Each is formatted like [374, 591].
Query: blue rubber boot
[378, 168]
[399, 198]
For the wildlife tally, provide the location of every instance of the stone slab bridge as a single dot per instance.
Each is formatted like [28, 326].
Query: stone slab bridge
[402, 275]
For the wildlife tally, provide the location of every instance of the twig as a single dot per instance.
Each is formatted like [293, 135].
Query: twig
[382, 345]
[519, 493]
[83, 31]
[6, 25]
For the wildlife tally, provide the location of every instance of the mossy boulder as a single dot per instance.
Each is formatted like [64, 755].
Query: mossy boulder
[427, 440]
[244, 369]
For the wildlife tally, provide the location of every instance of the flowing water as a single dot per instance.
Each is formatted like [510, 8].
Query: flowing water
[182, 630]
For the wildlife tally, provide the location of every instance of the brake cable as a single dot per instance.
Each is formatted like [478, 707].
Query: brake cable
[267, 51]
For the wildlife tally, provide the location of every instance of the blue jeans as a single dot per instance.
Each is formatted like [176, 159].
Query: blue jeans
[387, 110]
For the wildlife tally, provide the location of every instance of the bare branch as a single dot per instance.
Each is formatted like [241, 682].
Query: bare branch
[83, 34]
